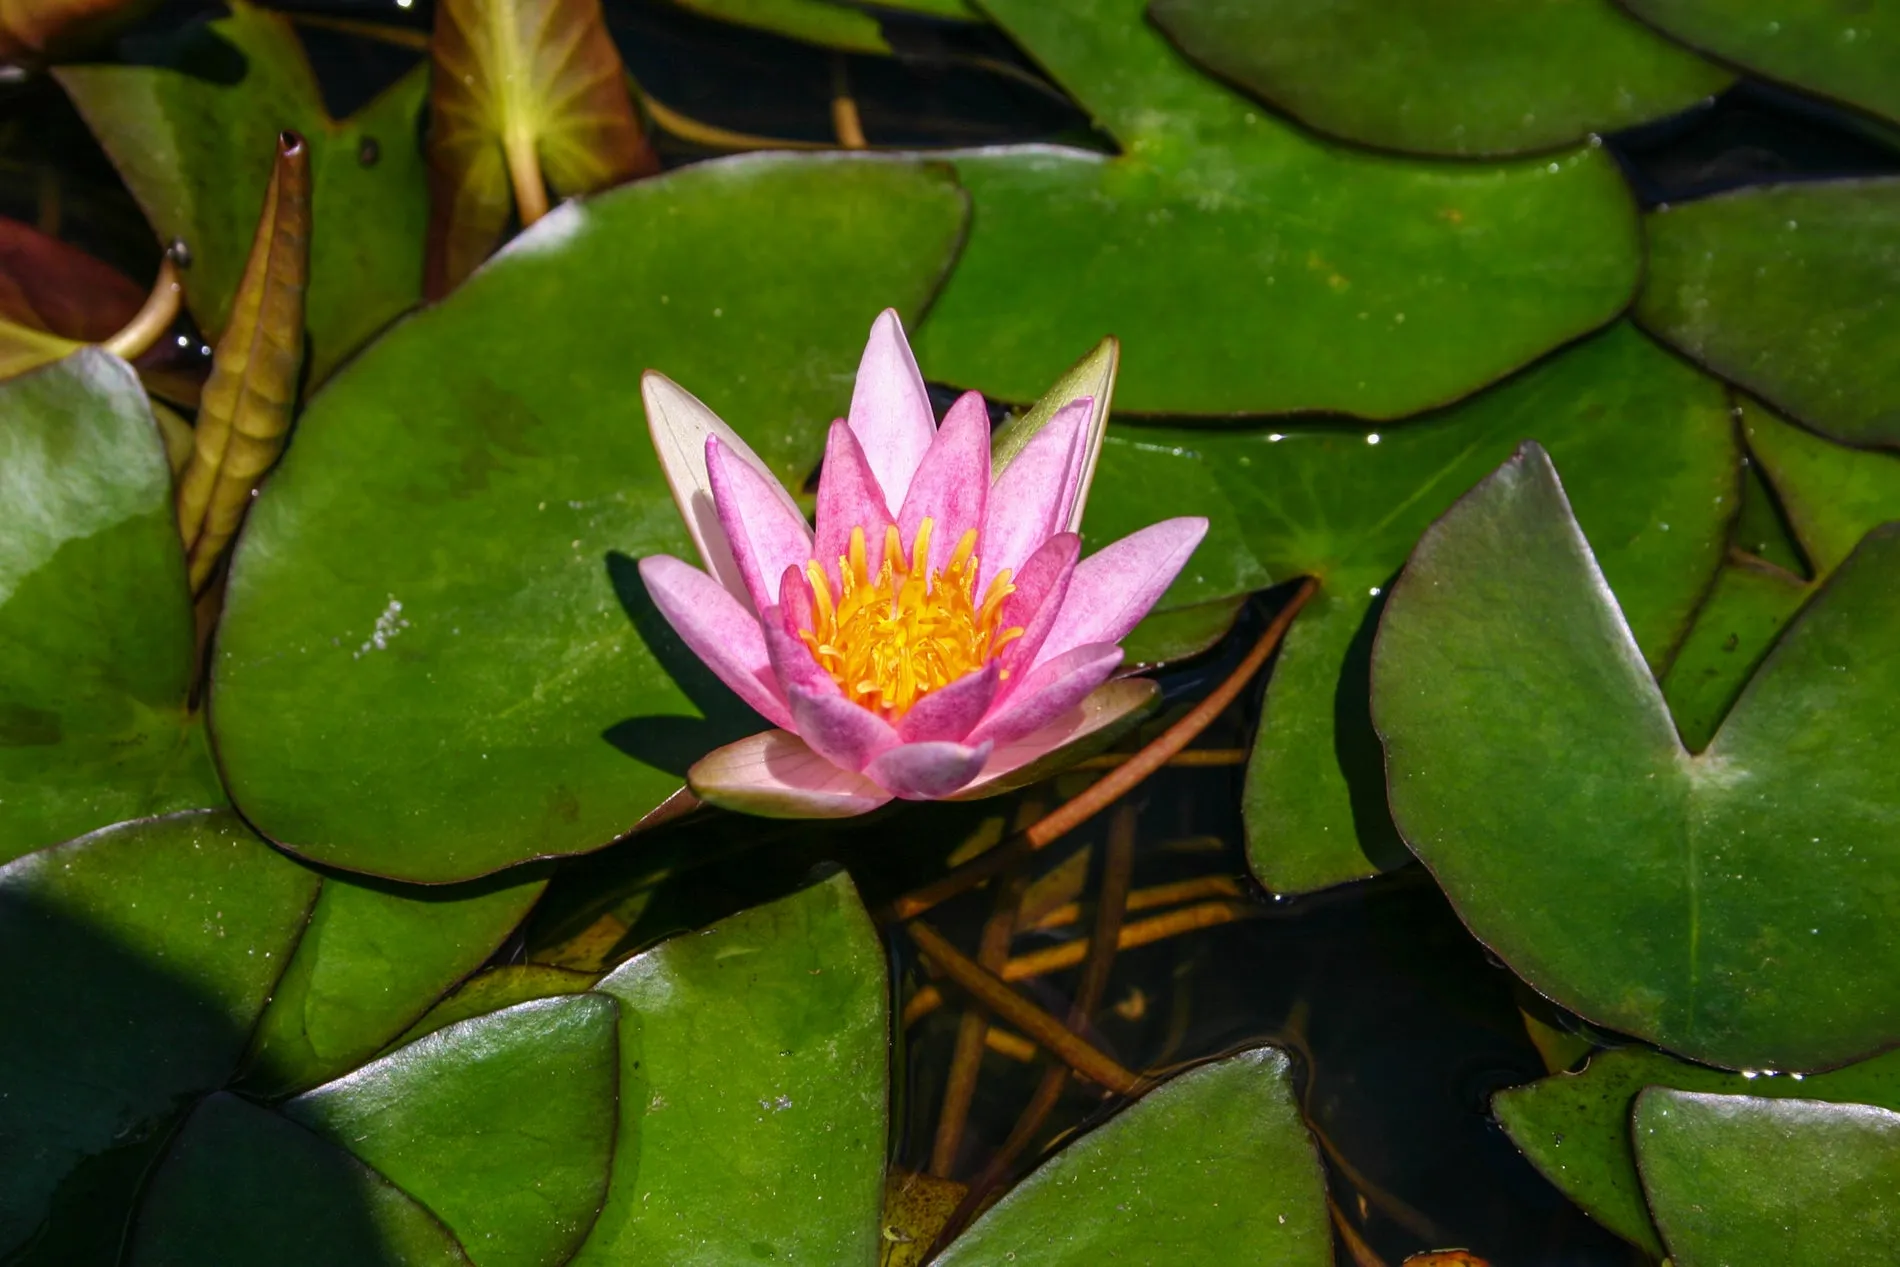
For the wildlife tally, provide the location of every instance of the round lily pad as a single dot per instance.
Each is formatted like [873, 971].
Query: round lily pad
[437, 658]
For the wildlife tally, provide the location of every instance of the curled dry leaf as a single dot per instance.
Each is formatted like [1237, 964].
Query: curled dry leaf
[523, 94]
[245, 411]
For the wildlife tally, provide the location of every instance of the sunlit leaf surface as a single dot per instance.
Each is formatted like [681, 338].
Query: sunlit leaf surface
[1248, 267]
[1467, 77]
[1733, 906]
[1737, 1179]
[95, 619]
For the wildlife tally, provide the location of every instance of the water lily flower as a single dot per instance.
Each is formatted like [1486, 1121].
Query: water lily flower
[936, 631]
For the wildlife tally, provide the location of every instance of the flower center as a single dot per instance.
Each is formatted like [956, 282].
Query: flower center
[888, 640]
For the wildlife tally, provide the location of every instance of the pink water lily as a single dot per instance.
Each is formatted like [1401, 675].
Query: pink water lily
[939, 628]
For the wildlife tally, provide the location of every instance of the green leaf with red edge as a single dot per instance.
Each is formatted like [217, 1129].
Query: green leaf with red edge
[521, 91]
[1735, 906]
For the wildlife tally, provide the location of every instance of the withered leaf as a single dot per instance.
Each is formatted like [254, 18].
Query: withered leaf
[54, 297]
[523, 94]
[245, 411]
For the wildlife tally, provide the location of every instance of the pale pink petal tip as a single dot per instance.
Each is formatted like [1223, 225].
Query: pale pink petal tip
[1116, 586]
[952, 486]
[775, 774]
[1098, 721]
[764, 528]
[718, 629]
[890, 409]
[928, 771]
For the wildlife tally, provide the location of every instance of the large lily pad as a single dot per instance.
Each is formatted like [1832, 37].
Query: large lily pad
[1738, 1179]
[1575, 1127]
[1833, 496]
[1466, 77]
[1249, 267]
[753, 1091]
[433, 622]
[1650, 450]
[1843, 49]
[502, 1125]
[375, 957]
[1735, 906]
[132, 964]
[241, 1185]
[1794, 293]
[195, 141]
[1213, 1167]
[1746, 610]
[95, 619]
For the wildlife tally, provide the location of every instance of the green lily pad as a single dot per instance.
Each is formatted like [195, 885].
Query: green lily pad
[1735, 906]
[1212, 1167]
[1841, 49]
[503, 1125]
[1575, 1127]
[1833, 496]
[95, 620]
[434, 636]
[241, 1186]
[1736, 1179]
[1651, 455]
[1793, 292]
[1249, 267]
[375, 957]
[1762, 530]
[497, 988]
[753, 1088]
[195, 141]
[1746, 610]
[133, 962]
[1465, 77]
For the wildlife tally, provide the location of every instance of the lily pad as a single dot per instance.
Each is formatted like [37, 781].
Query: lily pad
[1833, 496]
[497, 988]
[1841, 49]
[434, 635]
[133, 962]
[195, 142]
[95, 620]
[1792, 292]
[1466, 77]
[1746, 610]
[1653, 463]
[753, 1089]
[841, 26]
[1249, 267]
[1734, 906]
[375, 957]
[1575, 1127]
[1213, 1167]
[503, 1125]
[242, 1185]
[1736, 1179]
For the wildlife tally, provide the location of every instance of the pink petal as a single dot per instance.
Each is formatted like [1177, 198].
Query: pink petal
[953, 484]
[926, 771]
[680, 426]
[843, 733]
[949, 712]
[1041, 586]
[1026, 501]
[765, 531]
[1081, 473]
[776, 775]
[792, 663]
[890, 410]
[720, 631]
[1050, 690]
[848, 497]
[1079, 733]
[1113, 588]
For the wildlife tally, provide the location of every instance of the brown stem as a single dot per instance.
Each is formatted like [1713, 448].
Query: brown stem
[1037, 963]
[845, 123]
[966, 1059]
[1112, 786]
[1193, 757]
[524, 172]
[1006, 1004]
[1147, 899]
[154, 317]
[1362, 1253]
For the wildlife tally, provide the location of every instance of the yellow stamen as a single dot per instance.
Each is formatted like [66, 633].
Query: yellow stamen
[889, 640]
